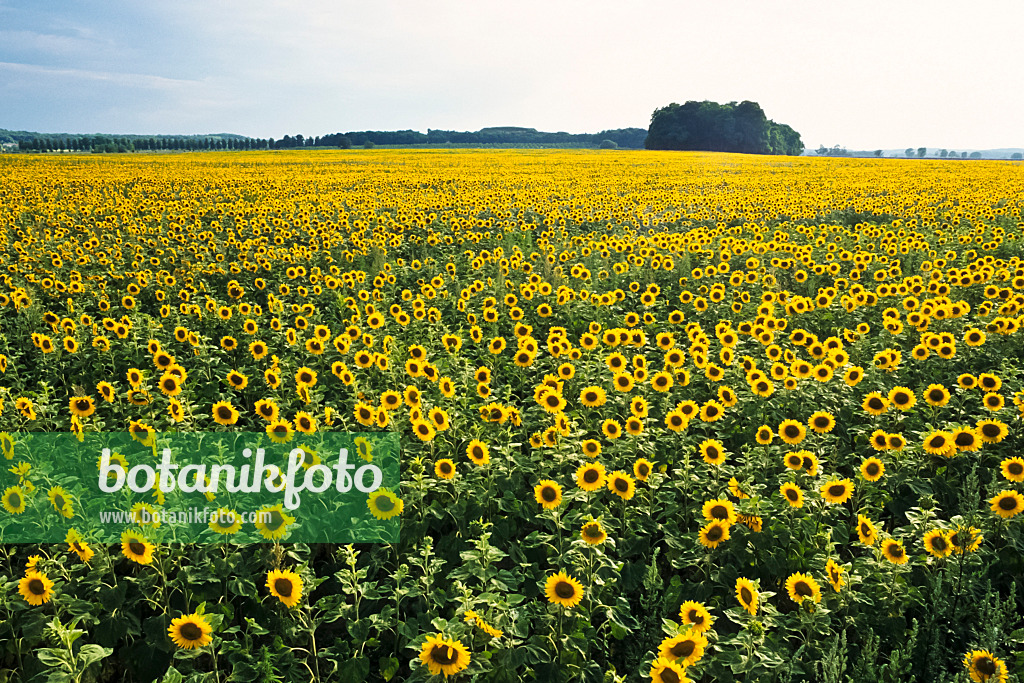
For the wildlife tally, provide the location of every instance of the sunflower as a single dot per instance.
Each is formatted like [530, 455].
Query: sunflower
[424, 431]
[801, 587]
[936, 395]
[280, 431]
[444, 469]
[893, 551]
[667, 671]
[593, 397]
[443, 656]
[225, 521]
[661, 381]
[478, 452]
[688, 409]
[590, 476]
[712, 452]
[940, 443]
[82, 406]
[1007, 503]
[685, 649]
[837, 492]
[713, 533]
[106, 390]
[35, 587]
[224, 413]
[711, 411]
[966, 440]
[879, 440]
[989, 382]
[875, 404]
[866, 530]
[621, 484]
[902, 398]
[982, 665]
[563, 590]
[191, 631]
[991, 431]
[78, 546]
[791, 431]
[821, 422]
[719, 509]
[993, 401]
[60, 500]
[306, 376]
[272, 522]
[642, 469]
[764, 435]
[965, 539]
[793, 495]
[746, 594]
[611, 429]
[872, 469]
[696, 616]
[794, 461]
[1013, 469]
[136, 547]
[676, 421]
[593, 533]
[548, 494]
[237, 380]
[286, 586]
[384, 504]
[835, 572]
[13, 500]
[936, 543]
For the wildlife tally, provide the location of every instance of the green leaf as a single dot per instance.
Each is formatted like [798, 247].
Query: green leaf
[92, 653]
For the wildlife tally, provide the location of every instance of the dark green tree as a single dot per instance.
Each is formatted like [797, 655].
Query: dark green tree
[713, 127]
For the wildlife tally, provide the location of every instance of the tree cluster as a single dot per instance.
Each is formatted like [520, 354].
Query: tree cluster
[713, 127]
[135, 143]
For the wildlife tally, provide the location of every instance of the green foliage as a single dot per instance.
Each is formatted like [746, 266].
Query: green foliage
[713, 127]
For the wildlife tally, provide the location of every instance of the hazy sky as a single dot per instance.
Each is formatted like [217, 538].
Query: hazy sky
[860, 74]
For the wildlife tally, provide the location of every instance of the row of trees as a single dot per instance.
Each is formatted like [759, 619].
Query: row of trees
[630, 138]
[114, 144]
[910, 152]
[713, 127]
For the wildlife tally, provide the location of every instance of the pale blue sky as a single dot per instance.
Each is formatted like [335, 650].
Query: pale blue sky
[860, 74]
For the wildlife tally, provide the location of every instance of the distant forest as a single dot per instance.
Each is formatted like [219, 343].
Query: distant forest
[627, 138]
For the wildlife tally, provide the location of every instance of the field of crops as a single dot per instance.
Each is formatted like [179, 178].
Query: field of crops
[669, 416]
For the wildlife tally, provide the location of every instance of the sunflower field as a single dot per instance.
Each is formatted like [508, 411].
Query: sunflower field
[662, 416]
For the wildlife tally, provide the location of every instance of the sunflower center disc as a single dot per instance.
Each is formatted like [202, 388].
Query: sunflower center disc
[191, 631]
[986, 667]
[283, 587]
[137, 548]
[443, 655]
[684, 648]
[36, 587]
[564, 590]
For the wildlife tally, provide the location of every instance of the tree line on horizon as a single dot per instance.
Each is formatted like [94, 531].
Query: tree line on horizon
[629, 138]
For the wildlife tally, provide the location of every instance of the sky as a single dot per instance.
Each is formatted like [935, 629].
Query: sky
[863, 75]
